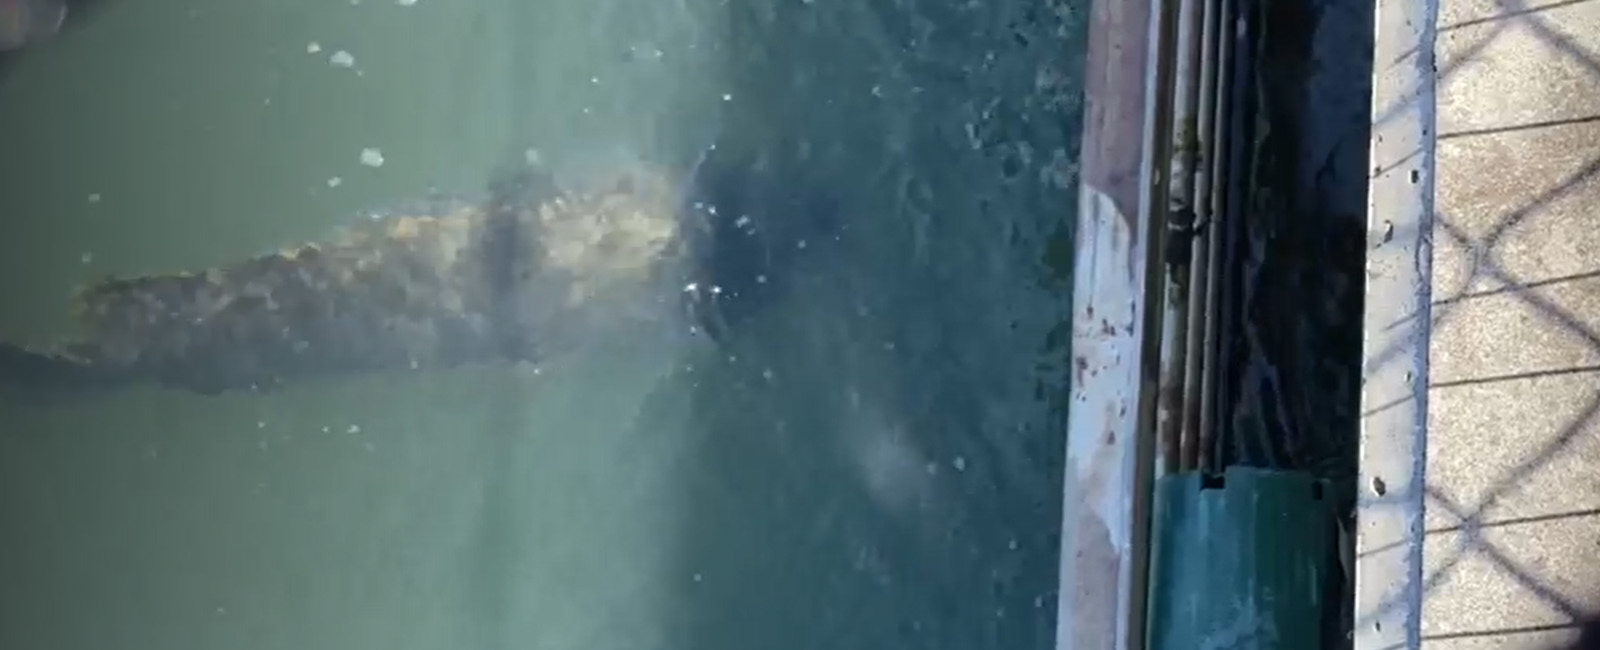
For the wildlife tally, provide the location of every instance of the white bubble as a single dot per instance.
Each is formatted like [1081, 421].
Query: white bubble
[372, 157]
[313, 47]
[342, 59]
[335, 181]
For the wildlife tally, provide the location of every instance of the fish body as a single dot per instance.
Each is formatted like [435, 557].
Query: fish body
[527, 270]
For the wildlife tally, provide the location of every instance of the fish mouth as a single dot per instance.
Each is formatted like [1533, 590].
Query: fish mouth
[26, 22]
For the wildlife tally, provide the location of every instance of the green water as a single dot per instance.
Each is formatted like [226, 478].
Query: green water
[869, 460]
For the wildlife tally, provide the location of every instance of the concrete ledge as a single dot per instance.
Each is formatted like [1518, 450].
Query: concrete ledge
[1513, 507]
[1105, 512]
[1394, 398]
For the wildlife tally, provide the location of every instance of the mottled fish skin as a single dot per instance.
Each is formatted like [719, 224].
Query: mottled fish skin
[461, 283]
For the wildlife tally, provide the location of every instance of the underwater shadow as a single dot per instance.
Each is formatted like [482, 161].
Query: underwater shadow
[877, 438]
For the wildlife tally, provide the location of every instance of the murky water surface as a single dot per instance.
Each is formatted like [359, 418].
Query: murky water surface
[864, 455]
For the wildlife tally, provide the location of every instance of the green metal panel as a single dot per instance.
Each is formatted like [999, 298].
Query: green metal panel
[1239, 561]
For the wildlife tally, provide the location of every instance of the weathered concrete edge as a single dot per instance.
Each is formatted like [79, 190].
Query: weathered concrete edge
[1399, 275]
[1110, 442]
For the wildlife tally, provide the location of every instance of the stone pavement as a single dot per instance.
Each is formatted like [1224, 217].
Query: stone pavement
[1510, 492]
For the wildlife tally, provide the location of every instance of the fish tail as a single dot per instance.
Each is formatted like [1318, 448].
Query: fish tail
[29, 371]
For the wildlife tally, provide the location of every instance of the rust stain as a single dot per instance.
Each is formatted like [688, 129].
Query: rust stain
[1113, 135]
[1171, 400]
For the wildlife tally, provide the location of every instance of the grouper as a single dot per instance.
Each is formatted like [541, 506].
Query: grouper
[530, 269]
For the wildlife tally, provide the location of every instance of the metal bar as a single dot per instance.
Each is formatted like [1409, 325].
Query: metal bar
[1212, 113]
[1205, 428]
[1180, 179]
[1235, 179]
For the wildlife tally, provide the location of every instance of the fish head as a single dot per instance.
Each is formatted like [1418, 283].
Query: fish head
[607, 260]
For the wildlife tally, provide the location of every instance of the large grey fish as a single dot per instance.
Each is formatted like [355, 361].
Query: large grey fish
[529, 268]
